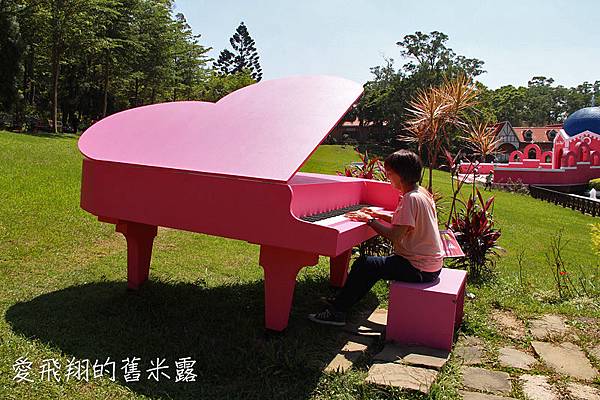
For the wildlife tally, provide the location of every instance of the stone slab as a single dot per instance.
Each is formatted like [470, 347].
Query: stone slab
[486, 380]
[402, 376]
[378, 317]
[537, 387]
[481, 396]
[510, 357]
[351, 352]
[565, 358]
[361, 330]
[510, 326]
[470, 355]
[373, 325]
[359, 340]
[548, 326]
[340, 363]
[413, 355]
[577, 391]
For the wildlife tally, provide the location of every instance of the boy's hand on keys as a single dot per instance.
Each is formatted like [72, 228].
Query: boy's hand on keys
[359, 216]
[373, 213]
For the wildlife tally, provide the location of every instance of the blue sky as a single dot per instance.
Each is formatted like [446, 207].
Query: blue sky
[516, 39]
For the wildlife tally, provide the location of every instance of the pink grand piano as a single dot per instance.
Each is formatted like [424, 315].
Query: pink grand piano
[230, 169]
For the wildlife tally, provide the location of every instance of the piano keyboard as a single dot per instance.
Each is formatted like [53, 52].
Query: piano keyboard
[333, 213]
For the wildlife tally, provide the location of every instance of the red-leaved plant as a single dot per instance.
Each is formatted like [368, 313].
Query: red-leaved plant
[371, 168]
[475, 232]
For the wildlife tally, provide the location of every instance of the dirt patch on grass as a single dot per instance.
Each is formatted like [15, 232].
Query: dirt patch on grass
[508, 324]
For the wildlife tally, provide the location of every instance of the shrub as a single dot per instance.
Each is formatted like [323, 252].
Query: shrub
[370, 168]
[595, 184]
[376, 246]
[475, 232]
[516, 186]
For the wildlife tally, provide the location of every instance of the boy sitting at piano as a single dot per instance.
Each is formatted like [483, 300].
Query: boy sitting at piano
[412, 229]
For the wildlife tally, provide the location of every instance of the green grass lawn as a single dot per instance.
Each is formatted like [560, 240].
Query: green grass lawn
[62, 292]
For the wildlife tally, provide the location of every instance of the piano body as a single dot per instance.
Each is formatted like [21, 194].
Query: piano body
[230, 169]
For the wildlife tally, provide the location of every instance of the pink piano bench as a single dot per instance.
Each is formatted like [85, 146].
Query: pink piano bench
[426, 314]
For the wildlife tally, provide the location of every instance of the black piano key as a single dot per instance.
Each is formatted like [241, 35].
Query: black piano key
[333, 213]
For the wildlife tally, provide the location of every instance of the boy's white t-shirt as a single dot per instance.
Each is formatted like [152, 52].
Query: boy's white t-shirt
[421, 245]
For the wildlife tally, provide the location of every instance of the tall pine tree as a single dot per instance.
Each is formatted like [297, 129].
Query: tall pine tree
[244, 57]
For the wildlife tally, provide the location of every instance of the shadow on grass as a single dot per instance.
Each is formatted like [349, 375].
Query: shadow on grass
[220, 328]
[46, 135]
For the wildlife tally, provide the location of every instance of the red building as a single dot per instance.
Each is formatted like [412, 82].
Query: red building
[573, 160]
[518, 137]
[354, 130]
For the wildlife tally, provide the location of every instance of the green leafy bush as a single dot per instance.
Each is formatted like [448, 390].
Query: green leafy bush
[595, 184]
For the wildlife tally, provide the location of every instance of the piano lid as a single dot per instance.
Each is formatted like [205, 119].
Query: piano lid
[263, 131]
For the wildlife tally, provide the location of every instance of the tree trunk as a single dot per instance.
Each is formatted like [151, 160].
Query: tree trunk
[56, 48]
[106, 82]
[430, 183]
[55, 75]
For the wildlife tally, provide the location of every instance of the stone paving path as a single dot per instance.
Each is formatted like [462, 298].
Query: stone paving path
[547, 327]
[512, 358]
[550, 368]
[566, 359]
[537, 387]
[486, 380]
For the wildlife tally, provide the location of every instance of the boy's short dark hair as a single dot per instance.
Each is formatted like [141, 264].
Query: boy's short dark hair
[406, 164]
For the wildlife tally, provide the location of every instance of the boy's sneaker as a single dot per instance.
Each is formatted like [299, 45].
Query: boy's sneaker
[329, 317]
[328, 299]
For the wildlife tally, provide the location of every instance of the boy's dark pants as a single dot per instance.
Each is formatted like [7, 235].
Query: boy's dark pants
[367, 270]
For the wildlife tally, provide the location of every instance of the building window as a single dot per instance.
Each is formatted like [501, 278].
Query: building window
[551, 134]
[531, 154]
[528, 135]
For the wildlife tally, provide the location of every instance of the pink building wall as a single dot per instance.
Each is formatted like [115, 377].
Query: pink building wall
[574, 161]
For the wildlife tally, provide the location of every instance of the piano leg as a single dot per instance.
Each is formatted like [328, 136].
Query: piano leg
[139, 251]
[281, 268]
[338, 269]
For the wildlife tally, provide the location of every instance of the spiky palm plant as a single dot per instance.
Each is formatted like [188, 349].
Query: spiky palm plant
[435, 113]
[482, 140]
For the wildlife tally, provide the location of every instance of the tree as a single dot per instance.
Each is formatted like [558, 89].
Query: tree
[508, 103]
[581, 96]
[218, 85]
[190, 60]
[244, 58]
[65, 20]
[379, 103]
[430, 63]
[11, 48]
[85, 59]
[541, 106]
